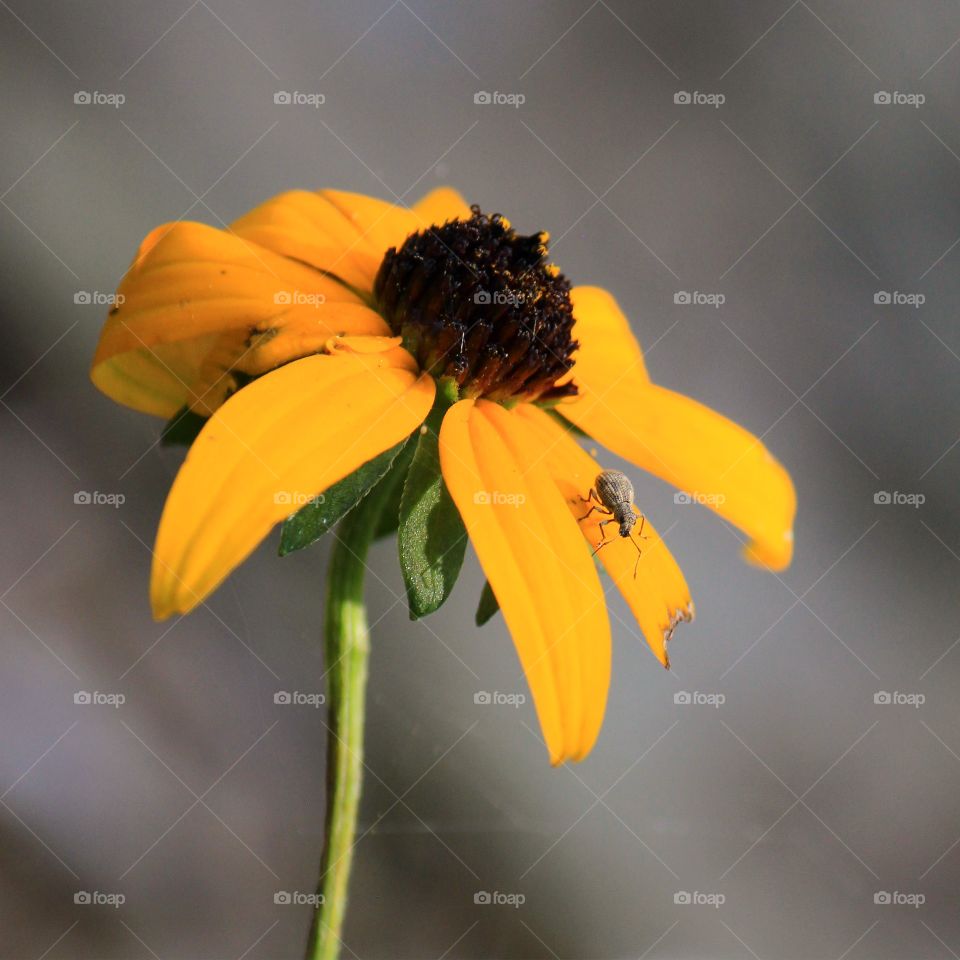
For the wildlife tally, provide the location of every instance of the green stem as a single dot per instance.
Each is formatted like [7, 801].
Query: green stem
[347, 648]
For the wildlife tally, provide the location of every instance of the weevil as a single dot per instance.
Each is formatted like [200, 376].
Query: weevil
[612, 495]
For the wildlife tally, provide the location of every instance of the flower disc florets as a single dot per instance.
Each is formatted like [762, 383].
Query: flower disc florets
[476, 302]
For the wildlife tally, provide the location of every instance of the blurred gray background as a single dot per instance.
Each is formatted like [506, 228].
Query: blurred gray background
[799, 800]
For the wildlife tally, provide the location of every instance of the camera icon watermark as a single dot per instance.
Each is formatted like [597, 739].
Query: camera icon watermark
[498, 298]
[704, 499]
[687, 898]
[297, 698]
[296, 498]
[87, 98]
[84, 698]
[287, 898]
[484, 698]
[896, 98]
[487, 898]
[896, 898]
[899, 499]
[699, 699]
[697, 298]
[86, 297]
[287, 98]
[296, 298]
[699, 99]
[95, 898]
[486, 498]
[899, 699]
[496, 98]
[887, 298]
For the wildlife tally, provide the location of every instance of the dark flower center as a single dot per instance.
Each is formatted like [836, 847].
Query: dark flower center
[478, 303]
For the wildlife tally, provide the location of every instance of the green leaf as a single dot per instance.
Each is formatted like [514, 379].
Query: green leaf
[488, 605]
[431, 536]
[312, 521]
[182, 428]
[396, 478]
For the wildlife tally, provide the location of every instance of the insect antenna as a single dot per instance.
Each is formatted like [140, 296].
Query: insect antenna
[636, 566]
[640, 535]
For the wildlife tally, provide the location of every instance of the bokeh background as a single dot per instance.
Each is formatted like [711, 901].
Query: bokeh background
[799, 199]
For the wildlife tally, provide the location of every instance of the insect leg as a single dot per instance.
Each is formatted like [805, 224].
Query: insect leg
[592, 495]
[599, 509]
[643, 520]
[603, 541]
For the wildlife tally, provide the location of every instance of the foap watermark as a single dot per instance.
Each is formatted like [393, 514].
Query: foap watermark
[897, 498]
[296, 498]
[97, 898]
[485, 698]
[898, 698]
[896, 298]
[899, 99]
[499, 498]
[897, 898]
[697, 698]
[704, 499]
[287, 298]
[496, 98]
[84, 698]
[698, 98]
[97, 297]
[295, 898]
[496, 898]
[499, 298]
[697, 298]
[297, 98]
[95, 98]
[297, 698]
[697, 898]
[97, 498]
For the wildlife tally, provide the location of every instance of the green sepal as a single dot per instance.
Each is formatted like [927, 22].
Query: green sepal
[314, 519]
[396, 478]
[182, 428]
[431, 536]
[488, 605]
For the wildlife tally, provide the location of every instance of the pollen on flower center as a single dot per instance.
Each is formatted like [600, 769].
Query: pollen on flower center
[477, 302]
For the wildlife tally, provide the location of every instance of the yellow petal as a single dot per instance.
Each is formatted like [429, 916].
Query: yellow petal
[608, 347]
[188, 286]
[539, 569]
[441, 205]
[363, 344]
[653, 584]
[346, 234]
[274, 444]
[679, 440]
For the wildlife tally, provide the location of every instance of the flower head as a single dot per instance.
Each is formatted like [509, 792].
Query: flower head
[325, 331]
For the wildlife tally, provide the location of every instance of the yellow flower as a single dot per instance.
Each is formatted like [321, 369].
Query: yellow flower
[342, 313]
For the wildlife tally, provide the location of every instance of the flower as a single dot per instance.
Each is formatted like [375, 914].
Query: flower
[344, 318]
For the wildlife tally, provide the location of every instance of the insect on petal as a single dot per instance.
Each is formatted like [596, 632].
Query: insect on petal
[535, 561]
[683, 442]
[658, 595]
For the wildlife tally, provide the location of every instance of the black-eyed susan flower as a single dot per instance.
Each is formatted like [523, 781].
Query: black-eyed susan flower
[333, 341]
